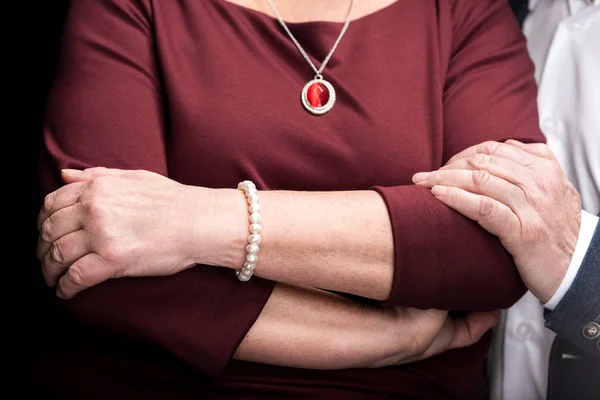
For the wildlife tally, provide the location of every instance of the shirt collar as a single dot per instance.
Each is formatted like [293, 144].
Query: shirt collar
[534, 3]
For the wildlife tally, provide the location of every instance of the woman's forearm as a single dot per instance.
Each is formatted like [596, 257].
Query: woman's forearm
[311, 328]
[338, 241]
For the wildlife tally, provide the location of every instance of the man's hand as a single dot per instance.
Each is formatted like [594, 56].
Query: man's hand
[519, 193]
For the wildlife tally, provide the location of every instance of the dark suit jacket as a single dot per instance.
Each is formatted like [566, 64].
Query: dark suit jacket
[577, 315]
[520, 8]
[574, 367]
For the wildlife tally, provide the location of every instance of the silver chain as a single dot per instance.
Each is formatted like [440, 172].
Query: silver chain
[306, 57]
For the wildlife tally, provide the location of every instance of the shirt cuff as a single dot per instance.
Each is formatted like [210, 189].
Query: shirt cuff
[586, 232]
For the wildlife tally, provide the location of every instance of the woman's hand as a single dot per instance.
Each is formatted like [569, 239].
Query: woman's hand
[425, 333]
[519, 193]
[109, 223]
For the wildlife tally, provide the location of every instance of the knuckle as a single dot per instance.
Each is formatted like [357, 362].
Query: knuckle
[76, 275]
[98, 184]
[92, 206]
[93, 185]
[56, 252]
[481, 178]
[486, 206]
[94, 171]
[49, 201]
[481, 159]
[489, 147]
[47, 229]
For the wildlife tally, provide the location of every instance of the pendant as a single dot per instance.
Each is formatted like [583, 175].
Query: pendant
[318, 96]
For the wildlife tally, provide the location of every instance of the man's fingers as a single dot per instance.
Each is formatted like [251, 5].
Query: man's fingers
[538, 149]
[478, 182]
[84, 273]
[492, 215]
[497, 149]
[501, 167]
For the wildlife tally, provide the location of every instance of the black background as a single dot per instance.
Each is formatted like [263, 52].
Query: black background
[33, 42]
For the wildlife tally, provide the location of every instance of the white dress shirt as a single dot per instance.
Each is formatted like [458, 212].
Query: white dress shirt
[563, 41]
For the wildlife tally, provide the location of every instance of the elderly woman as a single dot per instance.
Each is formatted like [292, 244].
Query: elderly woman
[256, 203]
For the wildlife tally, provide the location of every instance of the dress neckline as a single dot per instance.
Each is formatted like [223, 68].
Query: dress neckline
[267, 17]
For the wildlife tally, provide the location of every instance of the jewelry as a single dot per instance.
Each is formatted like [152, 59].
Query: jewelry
[245, 273]
[318, 95]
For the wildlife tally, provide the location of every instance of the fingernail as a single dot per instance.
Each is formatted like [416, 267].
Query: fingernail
[420, 177]
[60, 294]
[438, 190]
[71, 171]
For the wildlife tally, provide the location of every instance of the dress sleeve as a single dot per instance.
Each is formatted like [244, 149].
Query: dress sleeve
[106, 109]
[442, 259]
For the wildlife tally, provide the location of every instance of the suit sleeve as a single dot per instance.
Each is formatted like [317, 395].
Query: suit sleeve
[442, 259]
[577, 315]
[106, 109]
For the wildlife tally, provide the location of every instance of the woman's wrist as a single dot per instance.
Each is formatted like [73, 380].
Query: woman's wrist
[219, 228]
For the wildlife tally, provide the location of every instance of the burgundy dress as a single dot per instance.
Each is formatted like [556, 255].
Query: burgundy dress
[208, 93]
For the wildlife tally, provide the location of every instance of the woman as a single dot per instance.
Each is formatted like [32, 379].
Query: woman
[207, 93]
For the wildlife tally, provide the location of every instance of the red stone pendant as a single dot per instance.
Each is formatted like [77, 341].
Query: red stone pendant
[318, 96]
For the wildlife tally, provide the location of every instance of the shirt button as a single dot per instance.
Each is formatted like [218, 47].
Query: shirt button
[524, 330]
[591, 331]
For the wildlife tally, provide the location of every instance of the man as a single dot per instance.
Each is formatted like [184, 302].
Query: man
[562, 40]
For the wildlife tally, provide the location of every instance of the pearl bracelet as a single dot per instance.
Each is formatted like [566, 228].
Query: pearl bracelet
[245, 273]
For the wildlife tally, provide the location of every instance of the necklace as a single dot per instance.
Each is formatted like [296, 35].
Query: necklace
[318, 95]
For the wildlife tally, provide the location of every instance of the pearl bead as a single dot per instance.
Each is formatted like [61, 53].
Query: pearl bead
[255, 228]
[242, 277]
[254, 238]
[249, 266]
[246, 185]
[252, 248]
[254, 218]
[252, 191]
[247, 272]
[251, 258]
[252, 198]
[254, 208]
